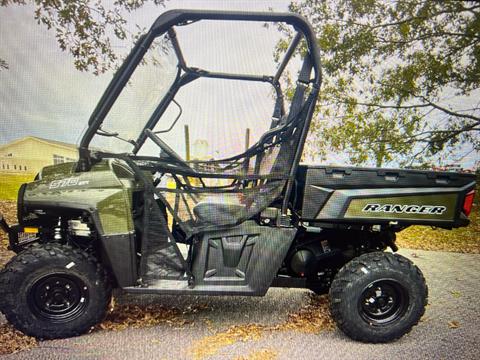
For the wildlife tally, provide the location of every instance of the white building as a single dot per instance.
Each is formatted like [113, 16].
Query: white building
[30, 154]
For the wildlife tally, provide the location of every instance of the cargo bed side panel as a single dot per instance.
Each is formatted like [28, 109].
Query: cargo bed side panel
[375, 196]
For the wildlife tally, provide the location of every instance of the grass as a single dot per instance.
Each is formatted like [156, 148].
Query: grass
[9, 184]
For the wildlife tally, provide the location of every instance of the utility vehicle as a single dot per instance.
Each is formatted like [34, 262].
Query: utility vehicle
[246, 222]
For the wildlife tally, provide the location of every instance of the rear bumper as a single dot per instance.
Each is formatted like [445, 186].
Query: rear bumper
[462, 221]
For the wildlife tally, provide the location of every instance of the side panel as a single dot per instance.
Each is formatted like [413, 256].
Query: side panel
[98, 190]
[247, 257]
[373, 196]
[120, 251]
[427, 207]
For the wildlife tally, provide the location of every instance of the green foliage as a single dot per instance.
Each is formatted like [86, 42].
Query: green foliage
[395, 76]
[86, 28]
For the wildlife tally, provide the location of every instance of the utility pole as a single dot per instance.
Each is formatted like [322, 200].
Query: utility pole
[187, 143]
[247, 138]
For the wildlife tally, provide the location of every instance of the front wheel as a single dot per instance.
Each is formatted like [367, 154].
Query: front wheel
[378, 297]
[54, 291]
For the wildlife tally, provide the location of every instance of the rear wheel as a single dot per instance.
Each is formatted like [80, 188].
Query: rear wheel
[54, 291]
[378, 297]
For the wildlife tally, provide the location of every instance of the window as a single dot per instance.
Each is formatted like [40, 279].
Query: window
[25, 168]
[57, 159]
[3, 166]
[14, 167]
[8, 167]
[70, 159]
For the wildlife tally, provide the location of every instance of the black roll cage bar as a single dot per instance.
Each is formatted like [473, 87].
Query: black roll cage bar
[164, 24]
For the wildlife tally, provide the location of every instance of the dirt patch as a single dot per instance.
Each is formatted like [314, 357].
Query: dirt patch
[313, 318]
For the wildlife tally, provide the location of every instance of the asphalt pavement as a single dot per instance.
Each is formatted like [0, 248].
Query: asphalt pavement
[450, 328]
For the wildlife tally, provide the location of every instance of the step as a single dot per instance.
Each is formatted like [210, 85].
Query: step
[165, 286]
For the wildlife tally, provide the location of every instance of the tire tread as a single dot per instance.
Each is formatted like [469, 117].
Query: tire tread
[39, 254]
[348, 276]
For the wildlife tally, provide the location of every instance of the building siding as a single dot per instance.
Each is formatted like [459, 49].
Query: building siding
[30, 155]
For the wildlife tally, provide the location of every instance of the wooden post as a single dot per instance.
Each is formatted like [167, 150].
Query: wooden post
[247, 138]
[187, 143]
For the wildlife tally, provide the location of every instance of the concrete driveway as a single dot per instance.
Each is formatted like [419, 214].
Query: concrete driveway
[449, 329]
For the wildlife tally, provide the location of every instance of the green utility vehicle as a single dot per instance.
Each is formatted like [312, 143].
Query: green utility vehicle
[234, 225]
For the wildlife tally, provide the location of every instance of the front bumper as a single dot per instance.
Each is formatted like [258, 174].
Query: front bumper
[11, 232]
[18, 236]
[3, 224]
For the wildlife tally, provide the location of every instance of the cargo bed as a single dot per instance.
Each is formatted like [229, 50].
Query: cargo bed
[332, 194]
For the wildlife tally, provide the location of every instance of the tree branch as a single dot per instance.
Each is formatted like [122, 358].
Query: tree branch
[3, 64]
[447, 111]
[382, 106]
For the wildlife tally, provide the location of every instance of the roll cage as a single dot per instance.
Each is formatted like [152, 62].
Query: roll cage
[247, 170]
[164, 24]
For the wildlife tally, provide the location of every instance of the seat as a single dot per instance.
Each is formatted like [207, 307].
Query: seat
[213, 212]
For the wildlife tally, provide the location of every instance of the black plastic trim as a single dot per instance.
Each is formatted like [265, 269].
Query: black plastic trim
[3, 224]
[120, 251]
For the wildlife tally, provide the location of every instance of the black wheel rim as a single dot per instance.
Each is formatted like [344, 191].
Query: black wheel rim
[383, 302]
[58, 297]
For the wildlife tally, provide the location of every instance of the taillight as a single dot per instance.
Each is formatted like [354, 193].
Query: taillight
[468, 202]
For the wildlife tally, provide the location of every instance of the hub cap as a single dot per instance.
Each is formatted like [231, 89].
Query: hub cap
[383, 302]
[58, 297]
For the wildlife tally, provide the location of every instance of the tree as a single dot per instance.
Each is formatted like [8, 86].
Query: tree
[396, 74]
[86, 28]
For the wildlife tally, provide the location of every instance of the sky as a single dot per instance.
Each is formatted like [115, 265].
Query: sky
[42, 94]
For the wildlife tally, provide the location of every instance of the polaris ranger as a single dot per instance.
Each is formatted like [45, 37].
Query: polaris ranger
[246, 222]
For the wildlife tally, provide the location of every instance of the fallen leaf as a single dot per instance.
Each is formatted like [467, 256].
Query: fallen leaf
[454, 324]
[311, 318]
[210, 345]
[456, 294]
[136, 316]
[12, 340]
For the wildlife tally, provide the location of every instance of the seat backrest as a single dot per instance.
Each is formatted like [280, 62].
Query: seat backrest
[281, 157]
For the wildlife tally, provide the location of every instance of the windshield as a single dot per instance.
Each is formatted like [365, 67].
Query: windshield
[146, 88]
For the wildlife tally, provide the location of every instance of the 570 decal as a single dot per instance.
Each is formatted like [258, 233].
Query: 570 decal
[71, 181]
[404, 209]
